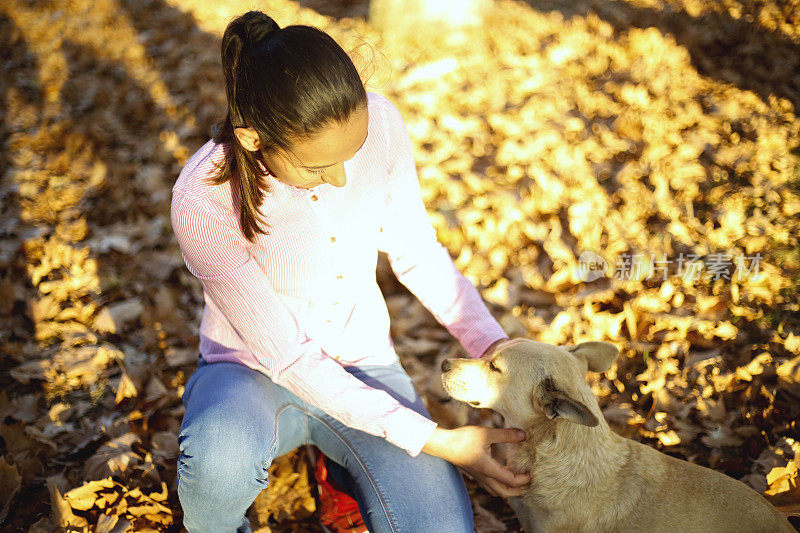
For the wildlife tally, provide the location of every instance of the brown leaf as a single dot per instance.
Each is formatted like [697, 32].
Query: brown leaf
[9, 485]
[62, 511]
[112, 458]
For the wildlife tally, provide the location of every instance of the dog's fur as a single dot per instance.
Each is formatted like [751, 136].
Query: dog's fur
[585, 477]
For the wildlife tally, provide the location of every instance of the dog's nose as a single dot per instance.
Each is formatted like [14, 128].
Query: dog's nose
[446, 365]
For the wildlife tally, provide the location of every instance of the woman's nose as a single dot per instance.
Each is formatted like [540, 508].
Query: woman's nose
[335, 176]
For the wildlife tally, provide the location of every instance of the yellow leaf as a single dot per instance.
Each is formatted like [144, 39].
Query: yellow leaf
[668, 438]
[83, 498]
[125, 389]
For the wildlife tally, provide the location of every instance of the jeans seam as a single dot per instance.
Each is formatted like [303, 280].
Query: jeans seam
[306, 433]
[273, 446]
[362, 462]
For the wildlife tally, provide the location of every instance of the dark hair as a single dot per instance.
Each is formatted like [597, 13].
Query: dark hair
[286, 83]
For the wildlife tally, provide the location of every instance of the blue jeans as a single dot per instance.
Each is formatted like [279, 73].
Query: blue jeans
[237, 421]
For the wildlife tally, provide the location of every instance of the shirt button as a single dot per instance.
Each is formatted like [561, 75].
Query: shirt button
[314, 197]
[333, 239]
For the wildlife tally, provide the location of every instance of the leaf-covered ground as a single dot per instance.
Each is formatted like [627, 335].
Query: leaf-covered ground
[661, 135]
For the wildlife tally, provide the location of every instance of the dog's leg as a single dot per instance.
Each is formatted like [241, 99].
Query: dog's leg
[525, 516]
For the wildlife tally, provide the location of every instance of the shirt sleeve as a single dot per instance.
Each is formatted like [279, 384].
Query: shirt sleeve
[219, 257]
[418, 259]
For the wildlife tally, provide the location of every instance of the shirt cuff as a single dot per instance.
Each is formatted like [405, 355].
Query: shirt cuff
[479, 342]
[409, 430]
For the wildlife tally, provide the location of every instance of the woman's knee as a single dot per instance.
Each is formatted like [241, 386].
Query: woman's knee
[222, 453]
[229, 425]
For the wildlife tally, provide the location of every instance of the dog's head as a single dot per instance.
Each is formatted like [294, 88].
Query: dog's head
[526, 381]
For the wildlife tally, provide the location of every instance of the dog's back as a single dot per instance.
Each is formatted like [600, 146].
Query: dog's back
[652, 492]
[689, 497]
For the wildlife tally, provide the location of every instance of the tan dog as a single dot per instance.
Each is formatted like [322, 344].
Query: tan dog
[585, 477]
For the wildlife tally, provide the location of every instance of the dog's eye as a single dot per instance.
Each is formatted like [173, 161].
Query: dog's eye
[494, 366]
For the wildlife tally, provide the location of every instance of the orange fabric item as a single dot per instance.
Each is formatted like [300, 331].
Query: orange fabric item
[337, 510]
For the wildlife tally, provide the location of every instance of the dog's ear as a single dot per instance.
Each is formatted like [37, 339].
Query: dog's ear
[599, 356]
[558, 404]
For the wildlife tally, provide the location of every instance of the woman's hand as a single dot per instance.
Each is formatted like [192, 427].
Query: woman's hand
[490, 350]
[468, 447]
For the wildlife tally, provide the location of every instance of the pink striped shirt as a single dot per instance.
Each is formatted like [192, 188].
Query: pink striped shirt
[303, 301]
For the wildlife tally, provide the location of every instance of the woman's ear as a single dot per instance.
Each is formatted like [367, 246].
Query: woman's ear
[247, 137]
[556, 403]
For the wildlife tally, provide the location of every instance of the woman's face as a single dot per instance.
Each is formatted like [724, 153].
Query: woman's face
[321, 158]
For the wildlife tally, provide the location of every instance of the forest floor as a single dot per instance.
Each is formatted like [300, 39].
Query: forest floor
[657, 137]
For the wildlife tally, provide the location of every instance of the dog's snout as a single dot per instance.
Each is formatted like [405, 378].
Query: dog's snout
[446, 365]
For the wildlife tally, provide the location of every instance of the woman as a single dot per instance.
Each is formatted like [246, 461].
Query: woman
[294, 341]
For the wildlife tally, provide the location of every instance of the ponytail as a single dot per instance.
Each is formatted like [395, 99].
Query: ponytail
[286, 83]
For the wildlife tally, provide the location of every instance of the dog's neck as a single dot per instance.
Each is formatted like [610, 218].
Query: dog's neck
[569, 454]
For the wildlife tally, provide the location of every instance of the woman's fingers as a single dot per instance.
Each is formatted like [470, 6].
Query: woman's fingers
[494, 435]
[495, 469]
[488, 488]
[505, 475]
[495, 488]
[474, 456]
[510, 492]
